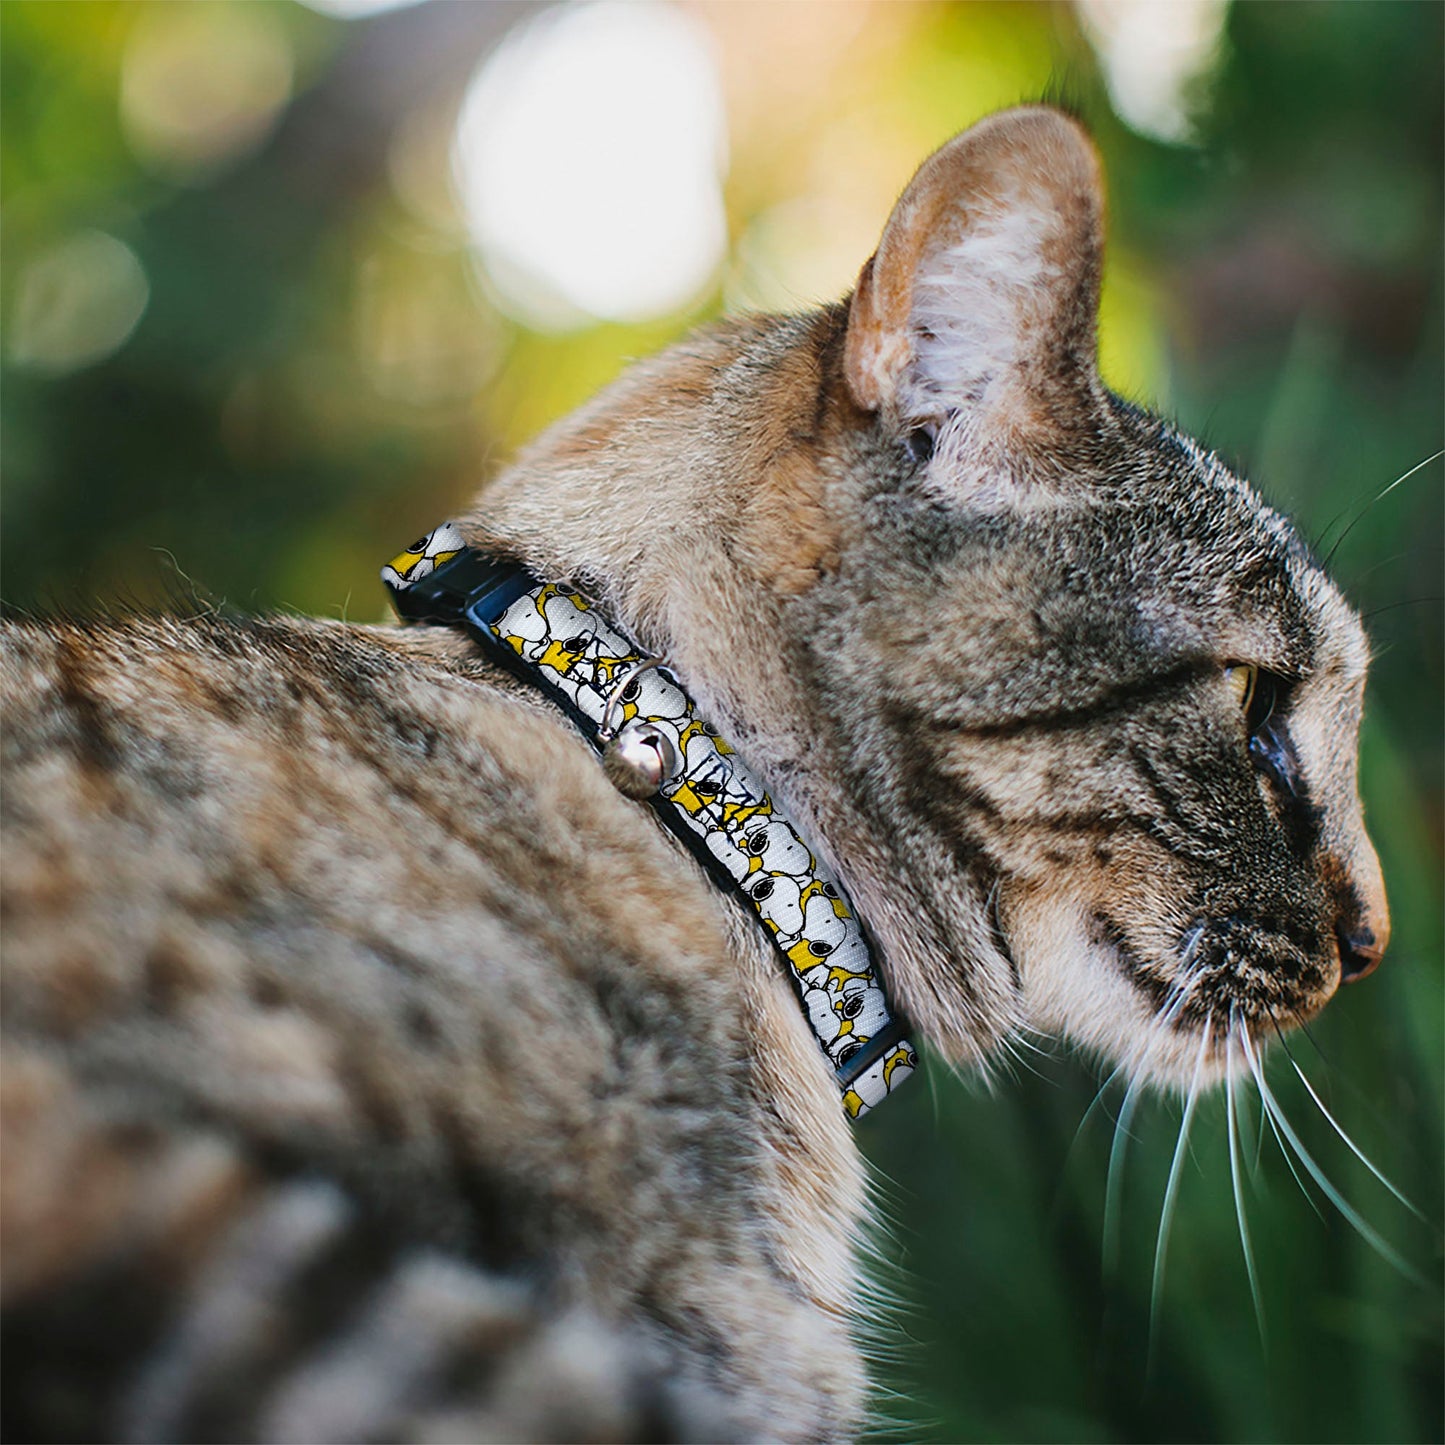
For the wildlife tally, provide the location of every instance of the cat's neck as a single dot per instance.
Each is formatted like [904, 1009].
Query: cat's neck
[686, 499]
[698, 501]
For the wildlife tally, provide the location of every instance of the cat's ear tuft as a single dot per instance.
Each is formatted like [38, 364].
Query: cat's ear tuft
[983, 294]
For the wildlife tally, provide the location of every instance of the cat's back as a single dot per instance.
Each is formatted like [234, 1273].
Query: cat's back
[260, 778]
[337, 912]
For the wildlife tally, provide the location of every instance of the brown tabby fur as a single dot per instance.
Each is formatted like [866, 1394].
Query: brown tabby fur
[374, 1070]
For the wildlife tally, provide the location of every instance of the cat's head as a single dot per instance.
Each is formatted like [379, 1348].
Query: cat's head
[1071, 712]
[1102, 697]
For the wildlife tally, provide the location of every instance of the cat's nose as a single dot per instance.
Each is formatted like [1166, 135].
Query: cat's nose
[1363, 930]
[1360, 952]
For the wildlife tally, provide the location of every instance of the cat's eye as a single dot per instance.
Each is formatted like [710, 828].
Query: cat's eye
[1242, 679]
[919, 443]
[1254, 690]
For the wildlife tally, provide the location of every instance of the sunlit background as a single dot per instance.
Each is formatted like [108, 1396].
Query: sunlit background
[283, 285]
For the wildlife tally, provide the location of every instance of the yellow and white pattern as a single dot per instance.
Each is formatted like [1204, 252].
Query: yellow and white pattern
[559, 632]
[422, 558]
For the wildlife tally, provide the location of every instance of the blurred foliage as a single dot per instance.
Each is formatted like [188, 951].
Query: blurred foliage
[319, 372]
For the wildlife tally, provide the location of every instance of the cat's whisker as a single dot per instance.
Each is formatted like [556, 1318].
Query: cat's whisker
[1021, 1038]
[1352, 1215]
[1012, 1047]
[1252, 1129]
[1374, 501]
[1196, 936]
[1284, 1152]
[1169, 1011]
[1162, 1025]
[1309, 1033]
[1354, 582]
[1230, 1111]
[1174, 1001]
[1404, 602]
[931, 1079]
[1171, 1187]
[1260, 1126]
[1089, 1112]
[1266, 1117]
[1114, 1181]
[1338, 1128]
[1123, 1127]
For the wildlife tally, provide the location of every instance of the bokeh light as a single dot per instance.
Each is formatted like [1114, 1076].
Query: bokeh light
[357, 9]
[76, 303]
[588, 159]
[1156, 53]
[202, 84]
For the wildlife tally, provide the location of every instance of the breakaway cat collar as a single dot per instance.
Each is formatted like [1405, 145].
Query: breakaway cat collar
[655, 746]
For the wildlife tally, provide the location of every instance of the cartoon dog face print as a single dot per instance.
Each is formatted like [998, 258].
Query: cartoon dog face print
[423, 557]
[898, 1065]
[778, 899]
[810, 912]
[834, 895]
[710, 791]
[848, 1017]
[655, 698]
[550, 620]
[559, 632]
[777, 849]
[658, 698]
[523, 626]
[732, 858]
[826, 1023]
[879, 1079]
[822, 926]
[861, 1004]
[848, 959]
[570, 634]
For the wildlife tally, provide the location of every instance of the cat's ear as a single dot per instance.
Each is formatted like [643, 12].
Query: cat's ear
[983, 294]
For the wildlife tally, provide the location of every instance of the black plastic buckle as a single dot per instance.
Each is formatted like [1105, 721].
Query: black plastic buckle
[471, 587]
[471, 592]
[896, 1031]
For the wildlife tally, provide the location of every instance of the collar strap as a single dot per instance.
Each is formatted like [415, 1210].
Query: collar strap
[555, 638]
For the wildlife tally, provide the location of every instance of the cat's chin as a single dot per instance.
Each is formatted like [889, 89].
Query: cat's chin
[1078, 984]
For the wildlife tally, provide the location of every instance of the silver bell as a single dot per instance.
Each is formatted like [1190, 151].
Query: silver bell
[639, 760]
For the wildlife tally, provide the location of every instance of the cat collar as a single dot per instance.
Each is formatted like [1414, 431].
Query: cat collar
[655, 746]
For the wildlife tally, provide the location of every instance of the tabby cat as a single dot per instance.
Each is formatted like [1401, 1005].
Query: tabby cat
[374, 1069]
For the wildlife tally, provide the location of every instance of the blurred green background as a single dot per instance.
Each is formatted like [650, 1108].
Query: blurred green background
[282, 286]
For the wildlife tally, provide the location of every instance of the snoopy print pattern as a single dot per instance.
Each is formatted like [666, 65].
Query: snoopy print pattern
[559, 632]
[422, 558]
